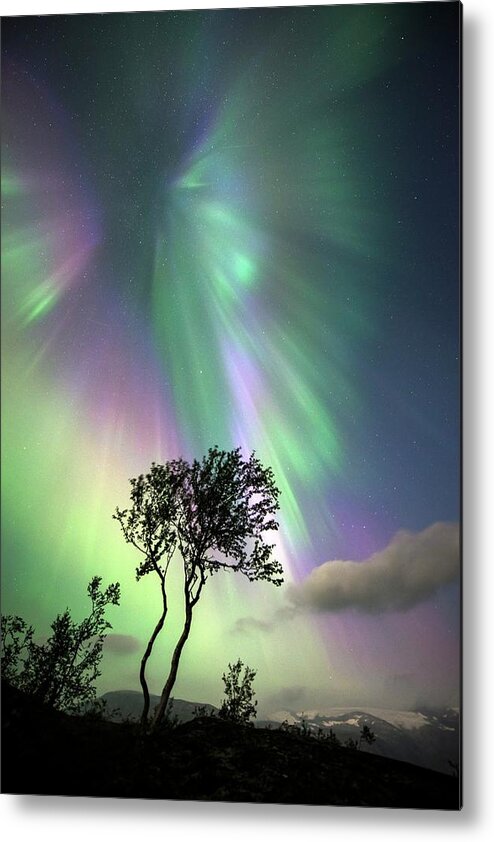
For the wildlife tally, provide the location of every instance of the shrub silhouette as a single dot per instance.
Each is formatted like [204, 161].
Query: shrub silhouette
[200, 711]
[366, 736]
[61, 672]
[17, 639]
[328, 737]
[301, 728]
[238, 705]
[215, 513]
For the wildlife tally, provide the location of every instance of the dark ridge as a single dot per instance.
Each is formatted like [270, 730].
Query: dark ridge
[204, 759]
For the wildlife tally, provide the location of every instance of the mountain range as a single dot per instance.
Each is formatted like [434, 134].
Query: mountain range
[428, 737]
[49, 752]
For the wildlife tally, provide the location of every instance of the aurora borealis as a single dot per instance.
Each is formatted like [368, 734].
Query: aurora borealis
[241, 228]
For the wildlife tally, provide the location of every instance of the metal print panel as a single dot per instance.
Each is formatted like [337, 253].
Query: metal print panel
[230, 268]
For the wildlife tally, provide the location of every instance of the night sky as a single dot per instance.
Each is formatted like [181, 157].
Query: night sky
[241, 228]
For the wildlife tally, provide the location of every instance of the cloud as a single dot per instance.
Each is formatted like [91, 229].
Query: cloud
[244, 625]
[121, 644]
[247, 624]
[293, 696]
[409, 570]
[288, 698]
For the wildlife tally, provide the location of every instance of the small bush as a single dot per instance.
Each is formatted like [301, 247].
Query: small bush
[367, 736]
[238, 705]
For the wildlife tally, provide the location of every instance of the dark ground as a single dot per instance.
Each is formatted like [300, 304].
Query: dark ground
[207, 759]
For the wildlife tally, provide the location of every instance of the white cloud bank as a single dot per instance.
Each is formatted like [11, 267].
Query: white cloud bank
[409, 570]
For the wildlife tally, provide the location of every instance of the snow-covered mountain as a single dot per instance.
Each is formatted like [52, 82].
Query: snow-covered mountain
[425, 737]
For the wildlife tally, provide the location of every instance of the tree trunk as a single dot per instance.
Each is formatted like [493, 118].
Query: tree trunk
[146, 656]
[170, 681]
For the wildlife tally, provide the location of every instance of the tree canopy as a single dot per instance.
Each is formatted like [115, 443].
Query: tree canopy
[216, 513]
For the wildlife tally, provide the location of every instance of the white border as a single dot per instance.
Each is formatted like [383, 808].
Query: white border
[53, 819]
[44, 7]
